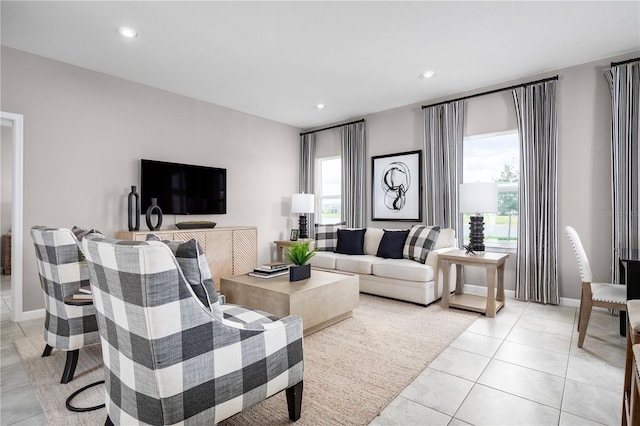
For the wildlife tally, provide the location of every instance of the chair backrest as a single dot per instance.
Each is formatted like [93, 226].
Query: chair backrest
[167, 358]
[62, 270]
[146, 313]
[581, 255]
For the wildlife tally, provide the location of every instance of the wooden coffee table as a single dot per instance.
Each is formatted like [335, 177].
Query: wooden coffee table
[322, 300]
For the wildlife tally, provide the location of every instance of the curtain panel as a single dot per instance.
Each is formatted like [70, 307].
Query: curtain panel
[443, 137]
[624, 82]
[353, 174]
[307, 172]
[537, 268]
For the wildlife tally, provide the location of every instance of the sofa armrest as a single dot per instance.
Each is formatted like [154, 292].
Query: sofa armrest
[433, 260]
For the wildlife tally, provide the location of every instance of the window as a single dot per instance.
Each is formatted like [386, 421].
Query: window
[328, 190]
[494, 157]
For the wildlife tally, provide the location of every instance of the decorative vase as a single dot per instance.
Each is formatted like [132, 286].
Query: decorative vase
[299, 272]
[134, 197]
[154, 208]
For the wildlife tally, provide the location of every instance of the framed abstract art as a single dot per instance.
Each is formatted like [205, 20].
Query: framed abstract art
[396, 182]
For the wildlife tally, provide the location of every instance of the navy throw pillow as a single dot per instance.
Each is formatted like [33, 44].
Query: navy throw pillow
[350, 241]
[392, 244]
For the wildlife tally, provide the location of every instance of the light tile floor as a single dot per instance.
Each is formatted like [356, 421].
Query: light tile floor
[18, 402]
[521, 368]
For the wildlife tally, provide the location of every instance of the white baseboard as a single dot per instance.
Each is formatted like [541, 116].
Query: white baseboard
[482, 291]
[35, 314]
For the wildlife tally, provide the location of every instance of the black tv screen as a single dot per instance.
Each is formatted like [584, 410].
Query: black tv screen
[183, 188]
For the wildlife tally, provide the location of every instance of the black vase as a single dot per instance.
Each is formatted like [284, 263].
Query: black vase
[134, 197]
[300, 272]
[154, 208]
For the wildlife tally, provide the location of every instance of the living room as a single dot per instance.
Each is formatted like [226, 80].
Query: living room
[85, 133]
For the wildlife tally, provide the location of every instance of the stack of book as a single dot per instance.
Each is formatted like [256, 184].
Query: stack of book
[84, 293]
[270, 270]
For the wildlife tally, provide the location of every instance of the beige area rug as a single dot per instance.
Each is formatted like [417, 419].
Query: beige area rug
[353, 369]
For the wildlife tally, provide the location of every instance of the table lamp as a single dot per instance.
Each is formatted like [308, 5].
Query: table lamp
[478, 198]
[303, 204]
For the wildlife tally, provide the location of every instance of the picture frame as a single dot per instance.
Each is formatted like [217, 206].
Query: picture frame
[294, 235]
[396, 187]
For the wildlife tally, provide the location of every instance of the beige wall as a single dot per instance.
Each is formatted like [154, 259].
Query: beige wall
[584, 169]
[84, 136]
[85, 133]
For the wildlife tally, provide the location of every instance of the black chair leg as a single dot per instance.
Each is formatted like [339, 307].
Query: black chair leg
[47, 351]
[70, 366]
[294, 401]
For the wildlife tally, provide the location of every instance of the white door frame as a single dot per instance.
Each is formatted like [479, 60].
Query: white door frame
[17, 123]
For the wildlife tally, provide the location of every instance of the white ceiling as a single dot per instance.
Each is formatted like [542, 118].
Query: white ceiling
[279, 59]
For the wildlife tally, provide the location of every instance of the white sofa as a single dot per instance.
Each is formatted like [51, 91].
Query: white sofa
[401, 279]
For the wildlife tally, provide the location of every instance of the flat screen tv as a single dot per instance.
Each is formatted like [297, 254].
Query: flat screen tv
[182, 188]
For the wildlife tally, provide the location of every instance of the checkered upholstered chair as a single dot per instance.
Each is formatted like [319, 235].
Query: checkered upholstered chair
[62, 271]
[169, 358]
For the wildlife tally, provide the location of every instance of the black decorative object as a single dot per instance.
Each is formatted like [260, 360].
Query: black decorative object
[298, 273]
[154, 208]
[302, 226]
[134, 197]
[476, 233]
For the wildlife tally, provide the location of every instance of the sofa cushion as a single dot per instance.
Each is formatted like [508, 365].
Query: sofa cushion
[402, 269]
[350, 241]
[392, 244]
[357, 264]
[446, 238]
[420, 242]
[324, 259]
[195, 269]
[327, 236]
[372, 240]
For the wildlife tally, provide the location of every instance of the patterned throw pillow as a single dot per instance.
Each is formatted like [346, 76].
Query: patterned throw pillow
[327, 236]
[195, 269]
[420, 242]
[80, 233]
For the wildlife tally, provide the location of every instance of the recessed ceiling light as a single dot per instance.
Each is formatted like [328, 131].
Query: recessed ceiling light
[320, 106]
[128, 32]
[428, 74]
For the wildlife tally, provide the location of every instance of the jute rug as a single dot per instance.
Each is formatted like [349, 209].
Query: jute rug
[353, 369]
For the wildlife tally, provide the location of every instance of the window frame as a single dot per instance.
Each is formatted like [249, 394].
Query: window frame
[507, 247]
[318, 189]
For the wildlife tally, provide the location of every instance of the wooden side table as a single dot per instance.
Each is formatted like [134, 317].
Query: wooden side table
[494, 265]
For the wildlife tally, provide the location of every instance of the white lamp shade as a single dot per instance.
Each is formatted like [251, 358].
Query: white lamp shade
[302, 203]
[479, 197]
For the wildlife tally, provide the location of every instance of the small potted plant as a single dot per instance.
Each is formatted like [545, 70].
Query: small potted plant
[298, 254]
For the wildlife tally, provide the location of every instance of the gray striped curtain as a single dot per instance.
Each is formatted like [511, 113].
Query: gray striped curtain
[353, 174]
[443, 137]
[307, 172]
[537, 268]
[625, 103]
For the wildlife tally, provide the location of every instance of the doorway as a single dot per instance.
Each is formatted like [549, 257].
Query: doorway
[13, 127]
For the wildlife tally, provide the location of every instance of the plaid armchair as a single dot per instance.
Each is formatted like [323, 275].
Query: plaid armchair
[62, 271]
[170, 359]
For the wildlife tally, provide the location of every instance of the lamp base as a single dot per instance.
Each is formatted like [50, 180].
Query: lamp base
[476, 233]
[302, 224]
